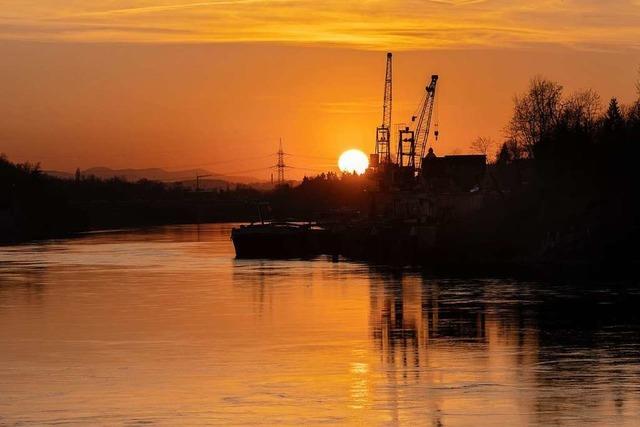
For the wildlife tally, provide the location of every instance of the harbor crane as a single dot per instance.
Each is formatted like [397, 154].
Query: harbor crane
[412, 143]
[383, 132]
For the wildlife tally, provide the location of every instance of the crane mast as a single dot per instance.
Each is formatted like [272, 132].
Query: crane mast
[414, 139]
[383, 132]
[424, 120]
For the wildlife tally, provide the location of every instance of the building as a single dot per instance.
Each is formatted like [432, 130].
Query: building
[455, 173]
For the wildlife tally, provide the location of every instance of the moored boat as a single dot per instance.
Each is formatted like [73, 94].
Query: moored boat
[278, 240]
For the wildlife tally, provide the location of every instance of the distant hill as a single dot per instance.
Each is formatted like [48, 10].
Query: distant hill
[156, 174]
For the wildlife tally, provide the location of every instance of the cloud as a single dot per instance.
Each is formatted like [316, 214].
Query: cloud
[367, 24]
[35, 31]
[163, 8]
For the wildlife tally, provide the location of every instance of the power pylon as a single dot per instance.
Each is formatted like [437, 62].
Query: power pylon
[281, 166]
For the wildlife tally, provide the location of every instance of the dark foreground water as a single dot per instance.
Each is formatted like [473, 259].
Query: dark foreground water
[165, 327]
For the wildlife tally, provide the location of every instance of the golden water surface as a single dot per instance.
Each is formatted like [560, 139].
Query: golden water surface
[163, 326]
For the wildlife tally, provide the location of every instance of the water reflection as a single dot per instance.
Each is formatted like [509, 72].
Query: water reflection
[164, 326]
[565, 353]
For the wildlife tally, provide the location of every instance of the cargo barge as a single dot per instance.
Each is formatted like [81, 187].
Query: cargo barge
[279, 240]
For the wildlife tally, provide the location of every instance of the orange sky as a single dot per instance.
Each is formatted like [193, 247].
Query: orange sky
[182, 84]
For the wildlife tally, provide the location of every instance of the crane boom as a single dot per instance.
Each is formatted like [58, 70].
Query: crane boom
[423, 124]
[388, 94]
[383, 132]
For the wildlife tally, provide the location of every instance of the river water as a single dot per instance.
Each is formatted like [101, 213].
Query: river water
[164, 326]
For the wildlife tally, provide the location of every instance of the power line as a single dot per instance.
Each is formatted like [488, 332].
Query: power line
[230, 174]
[280, 166]
[217, 162]
[310, 157]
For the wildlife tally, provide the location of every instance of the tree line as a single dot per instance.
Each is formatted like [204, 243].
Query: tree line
[568, 177]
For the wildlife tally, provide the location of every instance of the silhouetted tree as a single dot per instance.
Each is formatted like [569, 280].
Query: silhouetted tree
[535, 114]
[482, 145]
[516, 149]
[613, 119]
[503, 157]
[581, 110]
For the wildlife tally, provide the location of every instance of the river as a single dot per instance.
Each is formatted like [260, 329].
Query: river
[163, 326]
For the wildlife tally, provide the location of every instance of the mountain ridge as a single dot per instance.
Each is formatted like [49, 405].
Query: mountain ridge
[156, 174]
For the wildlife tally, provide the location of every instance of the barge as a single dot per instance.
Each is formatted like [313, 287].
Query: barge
[279, 240]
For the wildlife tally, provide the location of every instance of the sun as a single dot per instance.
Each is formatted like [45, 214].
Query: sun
[353, 161]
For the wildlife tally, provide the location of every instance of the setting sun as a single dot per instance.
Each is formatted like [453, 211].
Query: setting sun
[353, 161]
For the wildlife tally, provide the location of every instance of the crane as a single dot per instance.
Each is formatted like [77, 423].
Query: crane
[416, 138]
[423, 124]
[383, 132]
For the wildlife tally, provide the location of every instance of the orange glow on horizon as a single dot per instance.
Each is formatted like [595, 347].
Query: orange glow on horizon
[157, 84]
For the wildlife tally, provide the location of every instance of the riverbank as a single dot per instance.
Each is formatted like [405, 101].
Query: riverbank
[100, 215]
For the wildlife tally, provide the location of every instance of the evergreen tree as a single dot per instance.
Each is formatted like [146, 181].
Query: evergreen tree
[613, 119]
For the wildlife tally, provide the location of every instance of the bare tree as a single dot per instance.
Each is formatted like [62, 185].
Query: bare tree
[535, 113]
[582, 109]
[482, 145]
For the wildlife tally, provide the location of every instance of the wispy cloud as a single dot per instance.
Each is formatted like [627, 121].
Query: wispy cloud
[162, 8]
[369, 24]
